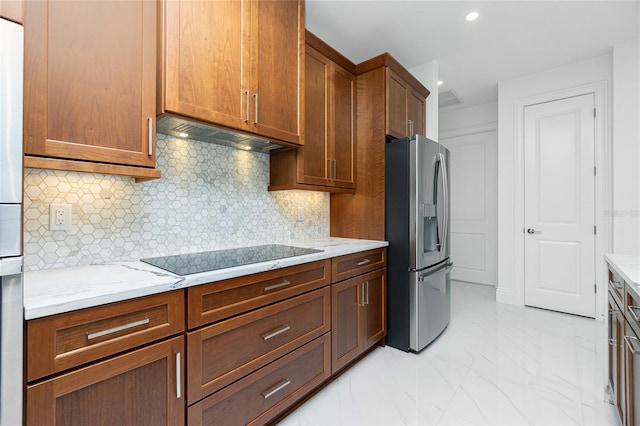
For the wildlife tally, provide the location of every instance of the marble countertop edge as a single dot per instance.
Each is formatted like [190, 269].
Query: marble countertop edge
[627, 266]
[55, 291]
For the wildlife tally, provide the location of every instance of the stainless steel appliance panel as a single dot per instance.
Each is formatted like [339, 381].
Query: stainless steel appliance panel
[11, 82]
[10, 230]
[430, 309]
[11, 332]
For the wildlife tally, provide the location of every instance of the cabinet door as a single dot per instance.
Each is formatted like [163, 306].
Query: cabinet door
[90, 80]
[415, 113]
[343, 113]
[314, 161]
[346, 318]
[632, 375]
[374, 325]
[277, 55]
[397, 91]
[11, 9]
[142, 387]
[206, 57]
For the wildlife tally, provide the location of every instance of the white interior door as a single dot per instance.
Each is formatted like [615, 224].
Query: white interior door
[559, 241]
[474, 206]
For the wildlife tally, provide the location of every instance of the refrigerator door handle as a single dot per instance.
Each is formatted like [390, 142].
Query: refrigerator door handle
[430, 273]
[445, 200]
[436, 197]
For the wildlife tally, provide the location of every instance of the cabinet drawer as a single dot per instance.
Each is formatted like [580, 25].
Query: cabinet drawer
[223, 299]
[224, 352]
[64, 341]
[266, 393]
[350, 265]
[632, 308]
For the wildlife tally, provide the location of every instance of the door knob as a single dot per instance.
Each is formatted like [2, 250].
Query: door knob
[533, 231]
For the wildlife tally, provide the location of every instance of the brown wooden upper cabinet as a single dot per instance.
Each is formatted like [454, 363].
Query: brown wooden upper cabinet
[405, 107]
[12, 10]
[236, 64]
[327, 160]
[90, 70]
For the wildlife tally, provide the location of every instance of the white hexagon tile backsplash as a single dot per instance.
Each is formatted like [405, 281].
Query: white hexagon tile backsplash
[209, 197]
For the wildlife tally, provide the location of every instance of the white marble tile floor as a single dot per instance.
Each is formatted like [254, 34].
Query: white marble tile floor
[495, 364]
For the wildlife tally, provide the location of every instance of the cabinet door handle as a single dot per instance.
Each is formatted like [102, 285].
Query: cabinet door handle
[255, 101]
[363, 262]
[612, 342]
[410, 127]
[266, 394]
[361, 291]
[335, 169]
[116, 329]
[178, 376]
[247, 103]
[276, 332]
[632, 344]
[329, 169]
[366, 292]
[150, 125]
[274, 286]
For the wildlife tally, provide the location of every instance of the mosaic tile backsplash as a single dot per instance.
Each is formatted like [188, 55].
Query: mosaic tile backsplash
[209, 197]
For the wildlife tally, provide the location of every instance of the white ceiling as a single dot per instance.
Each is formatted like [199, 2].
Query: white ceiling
[510, 38]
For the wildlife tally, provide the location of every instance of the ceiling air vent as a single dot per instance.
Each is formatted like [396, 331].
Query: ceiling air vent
[447, 99]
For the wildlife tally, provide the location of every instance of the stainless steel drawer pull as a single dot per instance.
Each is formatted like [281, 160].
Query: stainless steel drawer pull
[366, 292]
[276, 332]
[116, 329]
[276, 388]
[632, 344]
[255, 113]
[246, 94]
[634, 312]
[274, 286]
[616, 284]
[178, 376]
[363, 262]
[361, 289]
[150, 122]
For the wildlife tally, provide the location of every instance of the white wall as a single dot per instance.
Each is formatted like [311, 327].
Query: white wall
[427, 74]
[568, 80]
[470, 134]
[625, 211]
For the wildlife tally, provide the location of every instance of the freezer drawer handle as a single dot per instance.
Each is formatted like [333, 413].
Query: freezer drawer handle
[276, 332]
[274, 286]
[116, 329]
[278, 387]
[363, 262]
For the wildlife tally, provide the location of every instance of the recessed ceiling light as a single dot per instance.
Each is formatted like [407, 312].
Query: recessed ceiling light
[440, 82]
[472, 16]
[183, 135]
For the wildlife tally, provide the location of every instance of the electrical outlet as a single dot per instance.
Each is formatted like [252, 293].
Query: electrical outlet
[60, 217]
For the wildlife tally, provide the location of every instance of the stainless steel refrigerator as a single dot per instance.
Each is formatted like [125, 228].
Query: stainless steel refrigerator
[417, 228]
[11, 294]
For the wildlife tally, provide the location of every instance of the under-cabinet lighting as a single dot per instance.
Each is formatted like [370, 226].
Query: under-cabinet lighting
[183, 135]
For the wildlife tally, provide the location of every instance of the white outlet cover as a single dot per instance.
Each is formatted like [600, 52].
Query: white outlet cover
[60, 217]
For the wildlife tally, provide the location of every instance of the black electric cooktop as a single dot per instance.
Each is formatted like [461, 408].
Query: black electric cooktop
[192, 263]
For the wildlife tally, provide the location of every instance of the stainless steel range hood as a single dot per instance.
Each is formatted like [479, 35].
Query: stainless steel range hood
[182, 128]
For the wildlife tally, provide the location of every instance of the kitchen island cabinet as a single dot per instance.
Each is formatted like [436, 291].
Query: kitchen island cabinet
[235, 64]
[623, 332]
[89, 95]
[327, 160]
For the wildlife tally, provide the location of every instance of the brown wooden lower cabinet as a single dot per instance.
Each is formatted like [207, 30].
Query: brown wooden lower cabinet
[266, 393]
[358, 316]
[631, 373]
[142, 387]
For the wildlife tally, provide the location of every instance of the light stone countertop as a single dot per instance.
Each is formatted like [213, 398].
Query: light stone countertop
[627, 266]
[54, 291]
